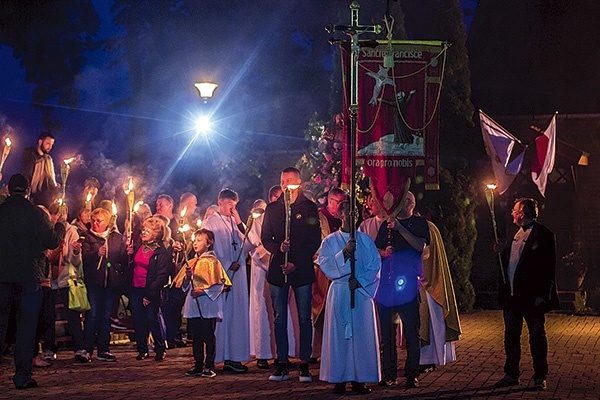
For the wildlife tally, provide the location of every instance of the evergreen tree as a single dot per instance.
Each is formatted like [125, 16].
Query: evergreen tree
[321, 164]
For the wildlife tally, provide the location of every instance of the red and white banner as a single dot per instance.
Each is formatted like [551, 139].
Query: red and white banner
[398, 116]
[542, 162]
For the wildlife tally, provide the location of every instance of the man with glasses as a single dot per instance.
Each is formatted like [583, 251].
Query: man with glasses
[527, 291]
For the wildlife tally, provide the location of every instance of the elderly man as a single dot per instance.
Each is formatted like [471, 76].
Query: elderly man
[26, 233]
[527, 291]
[402, 241]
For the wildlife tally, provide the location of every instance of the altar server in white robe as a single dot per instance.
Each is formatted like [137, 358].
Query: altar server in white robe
[232, 332]
[350, 350]
[262, 333]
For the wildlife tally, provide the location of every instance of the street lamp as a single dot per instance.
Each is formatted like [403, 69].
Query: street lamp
[206, 89]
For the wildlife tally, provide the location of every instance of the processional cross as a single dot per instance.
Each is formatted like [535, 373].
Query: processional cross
[353, 30]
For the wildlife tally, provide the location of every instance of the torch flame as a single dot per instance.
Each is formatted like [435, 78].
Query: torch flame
[88, 198]
[491, 186]
[184, 228]
[198, 222]
[7, 142]
[69, 160]
[137, 206]
[60, 202]
[292, 187]
[114, 208]
[257, 212]
[182, 213]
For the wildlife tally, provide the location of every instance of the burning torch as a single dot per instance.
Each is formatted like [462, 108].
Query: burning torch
[287, 199]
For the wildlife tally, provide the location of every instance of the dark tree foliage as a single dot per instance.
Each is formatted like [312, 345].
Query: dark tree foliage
[53, 40]
[452, 209]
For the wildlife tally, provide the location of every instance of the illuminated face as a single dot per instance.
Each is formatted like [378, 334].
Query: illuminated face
[289, 178]
[409, 204]
[148, 233]
[518, 214]
[333, 201]
[46, 145]
[201, 243]
[226, 206]
[99, 224]
[164, 207]
[191, 204]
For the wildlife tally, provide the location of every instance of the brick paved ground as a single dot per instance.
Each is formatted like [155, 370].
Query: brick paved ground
[574, 371]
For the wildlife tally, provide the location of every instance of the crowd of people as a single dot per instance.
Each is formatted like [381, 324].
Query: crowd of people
[275, 287]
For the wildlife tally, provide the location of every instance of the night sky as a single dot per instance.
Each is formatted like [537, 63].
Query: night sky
[275, 69]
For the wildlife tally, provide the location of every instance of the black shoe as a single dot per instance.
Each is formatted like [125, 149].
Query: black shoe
[360, 388]
[262, 363]
[305, 376]
[507, 381]
[313, 360]
[412, 382]
[281, 374]
[194, 371]
[160, 356]
[540, 384]
[235, 366]
[339, 388]
[388, 382]
[30, 384]
[142, 356]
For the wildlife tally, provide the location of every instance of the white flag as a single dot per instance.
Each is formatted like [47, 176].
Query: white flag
[499, 144]
[542, 163]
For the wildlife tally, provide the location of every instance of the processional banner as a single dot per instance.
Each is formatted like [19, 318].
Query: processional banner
[399, 86]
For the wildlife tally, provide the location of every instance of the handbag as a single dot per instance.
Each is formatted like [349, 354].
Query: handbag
[78, 297]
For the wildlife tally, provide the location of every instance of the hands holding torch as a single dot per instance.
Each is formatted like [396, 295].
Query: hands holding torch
[111, 224]
[287, 200]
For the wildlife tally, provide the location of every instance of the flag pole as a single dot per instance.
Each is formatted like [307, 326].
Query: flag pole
[353, 30]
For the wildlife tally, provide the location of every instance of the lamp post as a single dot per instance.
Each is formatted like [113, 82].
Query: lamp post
[206, 89]
[489, 196]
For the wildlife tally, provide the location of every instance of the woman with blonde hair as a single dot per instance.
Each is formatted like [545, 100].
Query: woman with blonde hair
[106, 273]
[152, 265]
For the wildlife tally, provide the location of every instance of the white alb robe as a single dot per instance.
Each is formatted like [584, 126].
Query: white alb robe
[262, 331]
[350, 336]
[438, 352]
[232, 332]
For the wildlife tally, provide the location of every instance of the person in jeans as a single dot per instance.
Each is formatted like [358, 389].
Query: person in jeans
[105, 267]
[298, 273]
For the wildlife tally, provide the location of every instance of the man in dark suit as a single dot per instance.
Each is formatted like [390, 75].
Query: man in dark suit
[527, 291]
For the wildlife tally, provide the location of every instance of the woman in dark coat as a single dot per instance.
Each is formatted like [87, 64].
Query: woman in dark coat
[152, 264]
[105, 267]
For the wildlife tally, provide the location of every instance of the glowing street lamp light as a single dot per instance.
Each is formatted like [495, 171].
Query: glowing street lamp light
[203, 124]
[206, 89]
